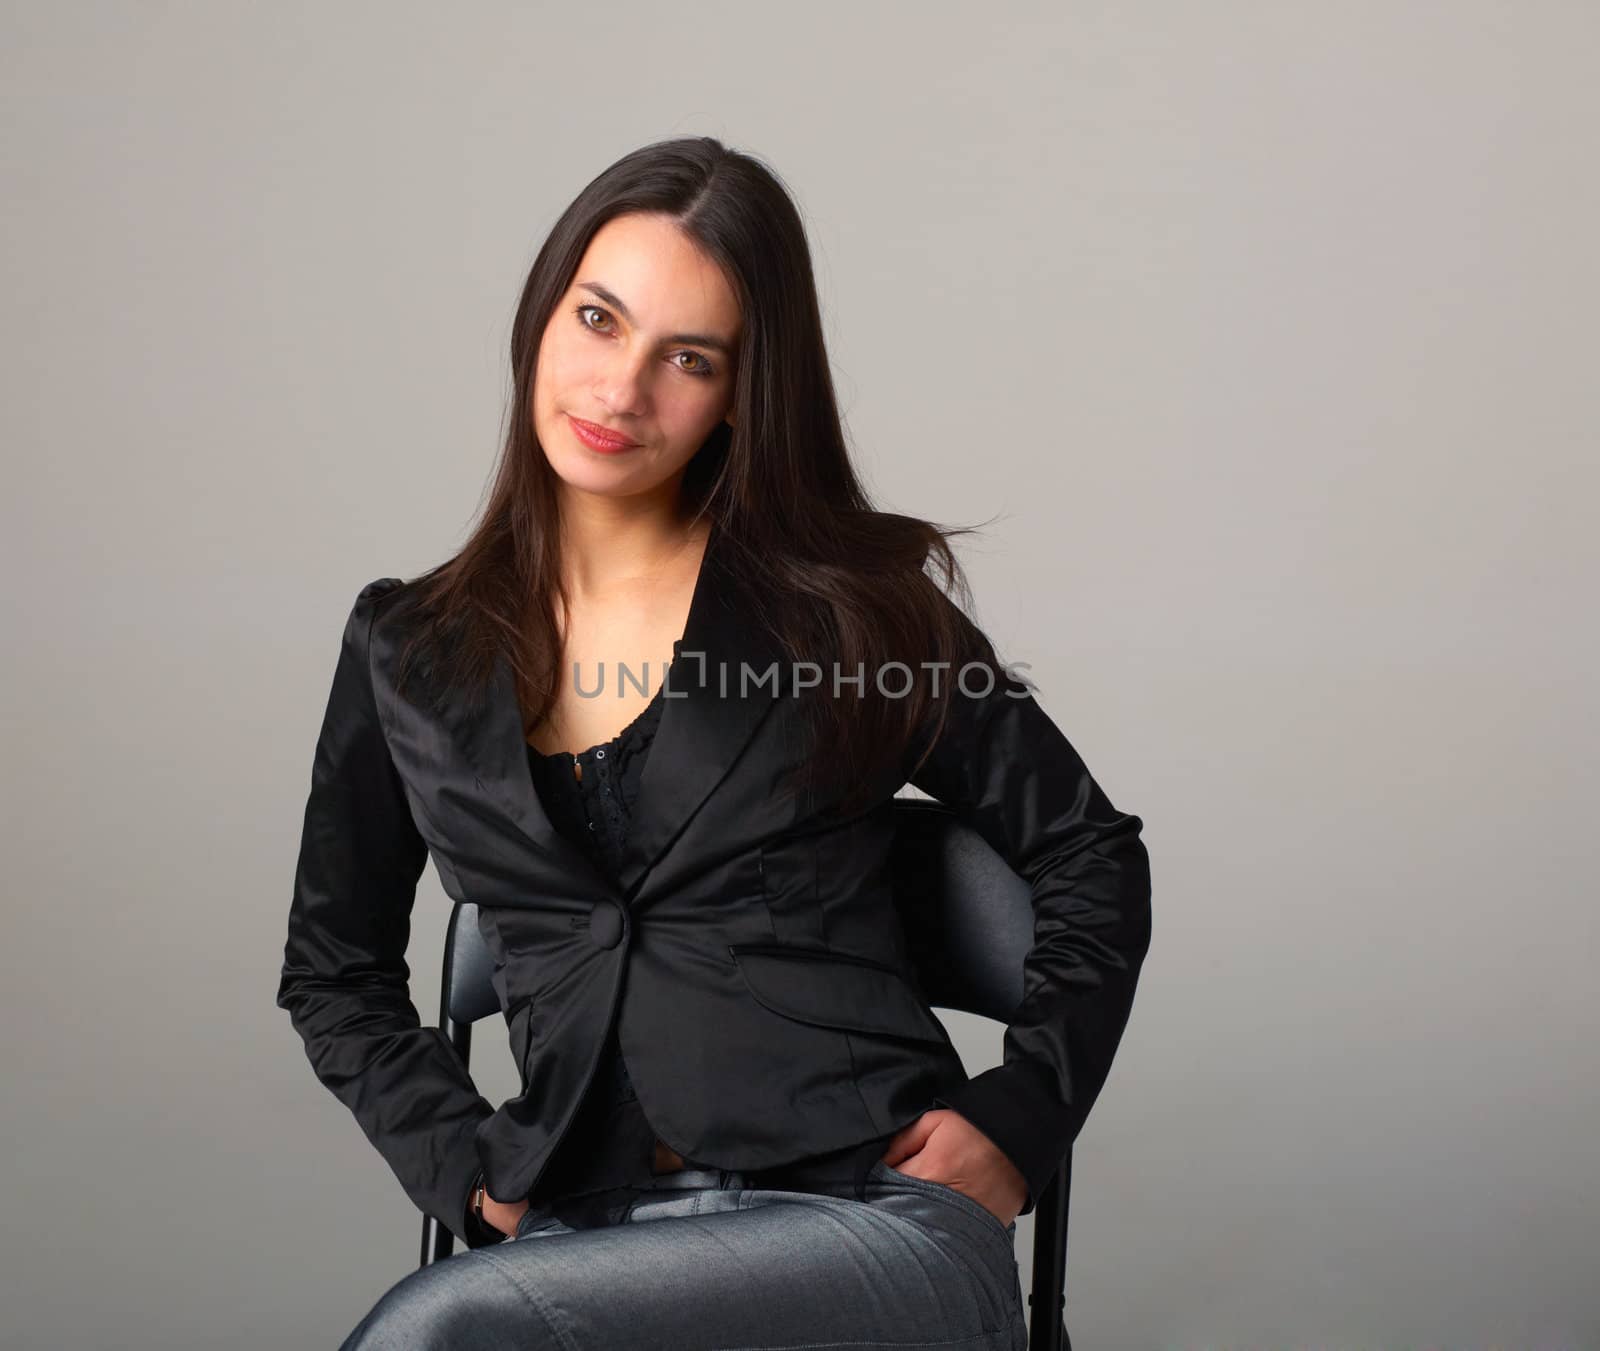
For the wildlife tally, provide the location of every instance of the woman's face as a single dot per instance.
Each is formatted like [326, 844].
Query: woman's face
[642, 345]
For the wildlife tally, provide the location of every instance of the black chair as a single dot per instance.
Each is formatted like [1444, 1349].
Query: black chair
[968, 919]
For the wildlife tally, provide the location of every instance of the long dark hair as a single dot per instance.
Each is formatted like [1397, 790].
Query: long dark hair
[830, 573]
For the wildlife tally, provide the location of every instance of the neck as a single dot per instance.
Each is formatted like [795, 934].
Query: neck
[611, 543]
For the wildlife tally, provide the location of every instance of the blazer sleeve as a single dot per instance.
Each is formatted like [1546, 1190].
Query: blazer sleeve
[1008, 771]
[344, 977]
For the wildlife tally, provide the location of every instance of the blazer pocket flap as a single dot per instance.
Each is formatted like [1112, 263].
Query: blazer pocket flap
[832, 990]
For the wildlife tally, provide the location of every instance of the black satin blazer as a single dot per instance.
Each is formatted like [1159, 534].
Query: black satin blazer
[750, 948]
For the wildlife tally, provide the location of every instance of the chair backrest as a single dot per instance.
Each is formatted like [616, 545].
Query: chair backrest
[968, 920]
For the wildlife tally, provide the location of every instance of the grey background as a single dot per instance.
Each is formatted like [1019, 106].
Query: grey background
[1268, 328]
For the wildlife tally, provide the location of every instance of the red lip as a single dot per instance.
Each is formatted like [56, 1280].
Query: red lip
[600, 438]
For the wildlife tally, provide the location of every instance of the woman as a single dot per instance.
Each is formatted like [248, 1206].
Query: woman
[684, 881]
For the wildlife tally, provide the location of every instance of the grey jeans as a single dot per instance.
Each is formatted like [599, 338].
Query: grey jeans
[700, 1261]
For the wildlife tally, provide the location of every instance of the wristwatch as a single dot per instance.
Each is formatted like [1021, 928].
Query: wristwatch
[486, 1232]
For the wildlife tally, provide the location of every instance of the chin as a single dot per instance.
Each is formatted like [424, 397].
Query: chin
[591, 478]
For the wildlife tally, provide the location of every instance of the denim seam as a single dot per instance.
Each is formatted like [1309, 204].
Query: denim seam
[542, 1306]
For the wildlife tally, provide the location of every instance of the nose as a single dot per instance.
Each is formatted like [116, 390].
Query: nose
[621, 385]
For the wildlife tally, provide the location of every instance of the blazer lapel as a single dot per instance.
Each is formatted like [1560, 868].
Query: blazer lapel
[492, 744]
[709, 713]
[707, 719]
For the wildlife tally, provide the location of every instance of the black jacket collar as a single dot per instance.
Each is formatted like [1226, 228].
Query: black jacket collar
[708, 717]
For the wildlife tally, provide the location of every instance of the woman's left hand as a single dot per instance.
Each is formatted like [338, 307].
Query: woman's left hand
[943, 1146]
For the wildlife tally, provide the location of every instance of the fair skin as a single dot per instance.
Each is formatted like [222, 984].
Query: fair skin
[631, 560]
[612, 354]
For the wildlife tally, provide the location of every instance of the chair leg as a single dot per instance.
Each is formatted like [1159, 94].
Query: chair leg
[1046, 1333]
[437, 1241]
[1047, 1301]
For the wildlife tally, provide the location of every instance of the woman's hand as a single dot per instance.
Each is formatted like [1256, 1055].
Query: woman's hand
[504, 1215]
[943, 1146]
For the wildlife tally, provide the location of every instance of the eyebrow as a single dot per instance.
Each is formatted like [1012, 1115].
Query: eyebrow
[693, 339]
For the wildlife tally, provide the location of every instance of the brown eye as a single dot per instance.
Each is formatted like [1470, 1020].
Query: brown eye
[581, 309]
[704, 370]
